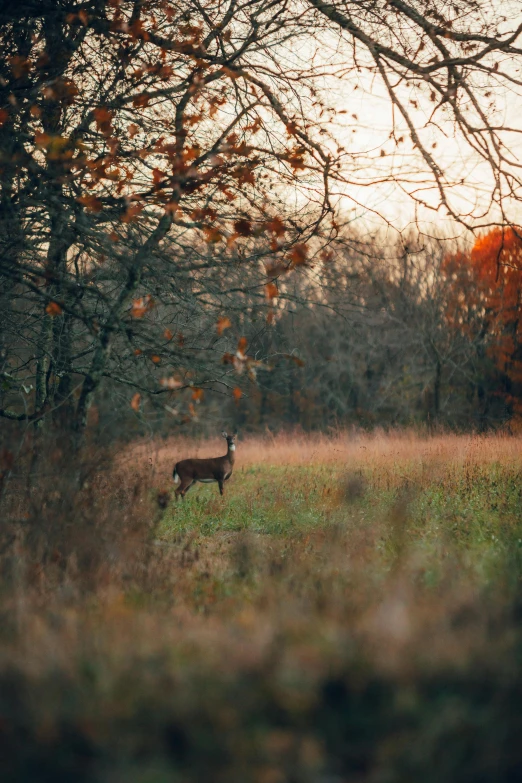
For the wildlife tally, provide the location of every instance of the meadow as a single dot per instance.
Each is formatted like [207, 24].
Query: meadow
[349, 611]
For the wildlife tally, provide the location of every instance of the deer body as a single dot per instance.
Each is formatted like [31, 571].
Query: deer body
[206, 471]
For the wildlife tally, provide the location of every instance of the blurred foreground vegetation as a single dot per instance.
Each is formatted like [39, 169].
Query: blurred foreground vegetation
[349, 612]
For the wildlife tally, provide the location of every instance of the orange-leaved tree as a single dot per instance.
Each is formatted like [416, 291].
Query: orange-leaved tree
[485, 303]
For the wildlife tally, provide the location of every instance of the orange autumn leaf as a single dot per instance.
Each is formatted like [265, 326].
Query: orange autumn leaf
[103, 119]
[276, 226]
[212, 235]
[197, 395]
[155, 358]
[91, 203]
[223, 323]
[237, 393]
[20, 66]
[141, 306]
[298, 254]
[141, 100]
[41, 139]
[244, 175]
[130, 214]
[53, 309]
[167, 334]
[136, 402]
[158, 176]
[271, 290]
[241, 347]
[296, 160]
[231, 73]
[137, 30]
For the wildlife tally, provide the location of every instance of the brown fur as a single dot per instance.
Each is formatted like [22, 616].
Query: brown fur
[206, 470]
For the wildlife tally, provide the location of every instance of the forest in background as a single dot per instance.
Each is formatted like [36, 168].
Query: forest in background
[185, 237]
[420, 334]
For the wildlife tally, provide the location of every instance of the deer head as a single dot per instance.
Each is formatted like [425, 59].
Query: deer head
[231, 440]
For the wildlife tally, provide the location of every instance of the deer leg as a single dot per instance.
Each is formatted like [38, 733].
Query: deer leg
[220, 485]
[183, 489]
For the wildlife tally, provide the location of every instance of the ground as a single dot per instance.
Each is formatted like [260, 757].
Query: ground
[348, 612]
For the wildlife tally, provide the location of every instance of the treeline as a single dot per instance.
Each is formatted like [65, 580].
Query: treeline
[417, 334]
[420, 334]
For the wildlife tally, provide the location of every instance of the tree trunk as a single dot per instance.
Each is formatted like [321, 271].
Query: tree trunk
[103, 348]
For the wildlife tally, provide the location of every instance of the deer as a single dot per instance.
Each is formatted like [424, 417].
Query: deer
[206, 471]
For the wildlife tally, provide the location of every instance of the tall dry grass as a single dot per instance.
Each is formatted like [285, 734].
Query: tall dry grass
[349, 611]
[351, 450]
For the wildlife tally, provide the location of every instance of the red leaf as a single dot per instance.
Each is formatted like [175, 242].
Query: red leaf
[20, 66]
[223, 323]
[212, 235]
[91, 203]
[242, 346]
[298, 254]
[53, 309]
[136, 402]
[141, 100]
[276, 226]
[137, 30]
[103, 119]
[237, 393]
[157, 176]
[271, 290]
[141, 306]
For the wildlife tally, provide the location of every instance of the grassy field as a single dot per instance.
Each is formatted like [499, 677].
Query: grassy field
[348, 612]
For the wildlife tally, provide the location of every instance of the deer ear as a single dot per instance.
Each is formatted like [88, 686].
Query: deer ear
[224, 434]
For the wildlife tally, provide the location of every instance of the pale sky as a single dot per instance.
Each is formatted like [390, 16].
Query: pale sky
[365, 129]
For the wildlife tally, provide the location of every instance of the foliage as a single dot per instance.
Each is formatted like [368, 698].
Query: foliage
[485, 304]
[170, 168]
[145, 158]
